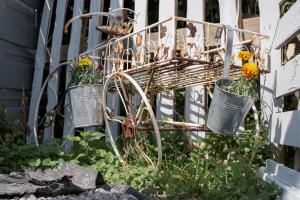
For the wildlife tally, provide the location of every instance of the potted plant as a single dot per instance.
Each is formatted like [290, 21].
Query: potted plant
[232, 100]
[85, 93]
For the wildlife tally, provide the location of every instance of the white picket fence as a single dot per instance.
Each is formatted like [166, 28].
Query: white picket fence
[281, 81]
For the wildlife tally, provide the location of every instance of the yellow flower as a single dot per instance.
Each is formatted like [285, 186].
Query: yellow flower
[244, 55]
[85, 62]
[250, 71]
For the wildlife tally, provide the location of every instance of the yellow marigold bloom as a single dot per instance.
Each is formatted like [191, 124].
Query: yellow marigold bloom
[85, 62]
[244, 55]
[250, 70]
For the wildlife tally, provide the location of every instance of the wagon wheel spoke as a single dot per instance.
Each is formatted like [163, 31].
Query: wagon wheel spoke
[134, 143]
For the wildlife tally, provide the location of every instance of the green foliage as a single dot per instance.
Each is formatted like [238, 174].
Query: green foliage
[10, 131]
[86, 74]
[286, 5]
[47, 155]
[245, 87]
[218, 169]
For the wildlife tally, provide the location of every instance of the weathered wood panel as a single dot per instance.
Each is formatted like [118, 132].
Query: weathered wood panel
[288, 26]
[33, 4]
[73, 52]
[53, 84]
[287, 77]
[286, 178]
[39, 63]
[165, 101]
[18, 23]
[18, 62]
[194, 110]
[285, 128]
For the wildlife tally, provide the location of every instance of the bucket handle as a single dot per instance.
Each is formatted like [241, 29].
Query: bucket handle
[228, 53]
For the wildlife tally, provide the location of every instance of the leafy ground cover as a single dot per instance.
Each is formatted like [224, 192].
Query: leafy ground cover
[217, 169]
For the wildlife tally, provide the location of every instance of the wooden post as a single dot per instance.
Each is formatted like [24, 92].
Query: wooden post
[40, 60]
[73, 52]
[269, 15]
[53, 84]
[194, 110]
[165, 100]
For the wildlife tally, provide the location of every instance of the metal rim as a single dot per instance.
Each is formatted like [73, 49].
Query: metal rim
[147, 106]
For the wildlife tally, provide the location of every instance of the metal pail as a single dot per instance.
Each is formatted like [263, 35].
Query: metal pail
[86, 104]
[227, 111]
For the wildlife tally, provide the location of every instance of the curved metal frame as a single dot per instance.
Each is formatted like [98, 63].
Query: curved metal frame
[148, 107]
[36, 112]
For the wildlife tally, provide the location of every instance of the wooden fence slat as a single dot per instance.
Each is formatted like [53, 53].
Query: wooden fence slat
[288, 26]
[285, 128]
[53, 84]
[114, 4]
[73, 52]
[141, 9]
[269, 15]
[40, 60]
[165, 100]
[94, 35]
[286, 178]
[289, 75]
[194, 110]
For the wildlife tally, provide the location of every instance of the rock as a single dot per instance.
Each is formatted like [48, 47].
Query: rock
[82, 177]
[126, 189]
[65, 179]
[66, 182]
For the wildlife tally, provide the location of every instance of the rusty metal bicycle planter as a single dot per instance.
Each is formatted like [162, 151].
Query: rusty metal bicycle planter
[178, 60]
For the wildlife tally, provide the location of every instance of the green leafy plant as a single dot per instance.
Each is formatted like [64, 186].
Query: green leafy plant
[10, 131]
[46, 155]
[85, 72]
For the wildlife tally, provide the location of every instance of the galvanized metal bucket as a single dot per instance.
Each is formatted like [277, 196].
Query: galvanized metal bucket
[86, 104]
[227, 111]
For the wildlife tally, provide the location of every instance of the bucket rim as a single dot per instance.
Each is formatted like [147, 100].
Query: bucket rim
[218, 132]
[250, 98]
[80, 86]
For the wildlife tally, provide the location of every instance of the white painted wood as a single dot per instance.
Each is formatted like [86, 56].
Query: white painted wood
[141, 9]
[73, 51]
[269, 15]
[114, 4]
[165, 101]
[286, 178]
[39, 63]
[94, 35]
[285, 128]
[287, 77]
[288, 26]
[53, 84]
[194, 110]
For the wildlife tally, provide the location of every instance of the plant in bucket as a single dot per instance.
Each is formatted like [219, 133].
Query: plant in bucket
[85, 93]
[232, 100]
